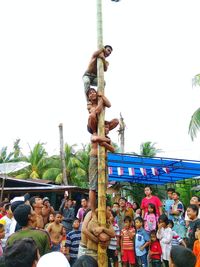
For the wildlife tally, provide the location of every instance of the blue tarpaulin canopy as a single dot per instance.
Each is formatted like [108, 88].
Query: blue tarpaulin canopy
[155, 171]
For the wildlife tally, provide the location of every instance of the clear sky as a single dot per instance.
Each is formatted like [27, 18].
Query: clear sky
[45, 47]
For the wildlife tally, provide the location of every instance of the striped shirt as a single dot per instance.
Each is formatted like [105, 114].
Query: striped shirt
[127, 243]
[113, 241]
[73, 240]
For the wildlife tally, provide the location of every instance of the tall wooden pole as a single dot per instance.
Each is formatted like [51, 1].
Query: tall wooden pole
[102, 256]
[62, 155]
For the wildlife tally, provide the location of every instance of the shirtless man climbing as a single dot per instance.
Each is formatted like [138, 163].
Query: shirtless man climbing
[90, 76]
[93, 164]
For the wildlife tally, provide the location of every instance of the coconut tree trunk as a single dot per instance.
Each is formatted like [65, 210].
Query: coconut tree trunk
[102, 255]
[62, 155]
[121, 133]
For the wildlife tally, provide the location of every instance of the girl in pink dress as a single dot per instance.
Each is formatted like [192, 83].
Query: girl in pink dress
[150, 218]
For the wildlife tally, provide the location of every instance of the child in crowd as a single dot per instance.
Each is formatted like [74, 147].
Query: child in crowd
[150, 218]
[155, 250]
[51, 219]
[72, 242]
[176, 239]
[55, 230]
[63, 241]
[112, 250]
[196, 247]
[182, 257]
[192, 213]
[127, 236]
[164, 234]
[141, 243]
[2, 235]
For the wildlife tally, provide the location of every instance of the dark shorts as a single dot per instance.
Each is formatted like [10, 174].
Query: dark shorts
[111, 255]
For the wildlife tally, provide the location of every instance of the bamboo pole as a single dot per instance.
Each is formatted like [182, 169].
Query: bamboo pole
[102, 255]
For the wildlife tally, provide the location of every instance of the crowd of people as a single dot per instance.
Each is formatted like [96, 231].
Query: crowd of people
[155, 233]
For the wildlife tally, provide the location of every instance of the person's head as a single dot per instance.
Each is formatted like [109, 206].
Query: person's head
[151, 208]
[153, 237]
[25, 215]
[127, 222]
[36, 202]
[53, 259]
[85, 261]
[197, 232]
[84, 203]
[58, 217]
[195, 200]
[181, 257]
[139, 222]
[122, 202]
[76, 224]
[23, 253]
[115, 206]
[2, 231]
[135, 206]
[51, 217]
[108, 50]
[192, 212]
[92, 95]
[170, 223]
[148, 191]
[163, 219]
[175, 196]
[170, 191]
[69, 202]
[46, 202]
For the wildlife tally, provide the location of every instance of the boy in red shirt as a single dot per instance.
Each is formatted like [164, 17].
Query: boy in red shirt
[155, 250]
[127, 235]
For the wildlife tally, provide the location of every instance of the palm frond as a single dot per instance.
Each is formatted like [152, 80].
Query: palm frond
[194, 125]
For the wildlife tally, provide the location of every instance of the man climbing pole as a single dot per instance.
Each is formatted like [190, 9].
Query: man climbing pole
[90, 76]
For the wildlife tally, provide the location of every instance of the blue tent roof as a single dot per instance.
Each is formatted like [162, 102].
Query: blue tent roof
[136, 169]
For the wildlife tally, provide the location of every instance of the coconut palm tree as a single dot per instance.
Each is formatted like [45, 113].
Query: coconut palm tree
[194, 124]
[77, 163]
[148, 149]
[38, 159]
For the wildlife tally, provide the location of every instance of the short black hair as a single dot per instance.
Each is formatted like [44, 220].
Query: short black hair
[194, 208]
[123, 198]
[32, 200]
[153, 232]
[127, 218]
[163, 218]
[182, 257]
[21, 214]
[148, 186]
[22, 252]
[140, 219]
[178, 194]
[170, 189]
[116, 203]
[109, 46]
[85, 260]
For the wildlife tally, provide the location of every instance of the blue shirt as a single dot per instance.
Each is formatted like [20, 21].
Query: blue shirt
[141, 238]
[73, 240]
